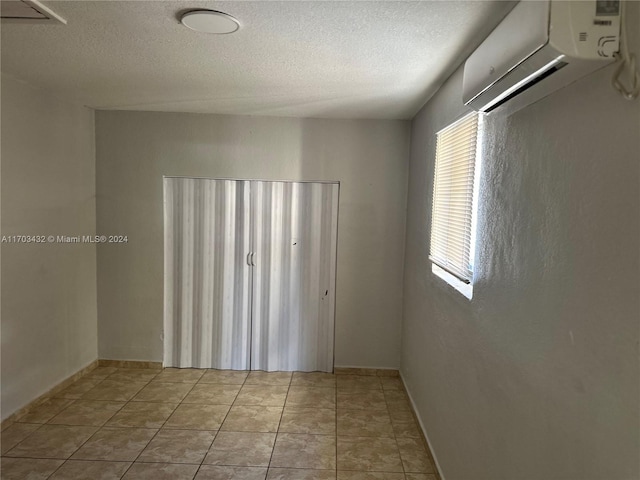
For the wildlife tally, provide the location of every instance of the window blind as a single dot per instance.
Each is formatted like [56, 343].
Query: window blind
[452, 214]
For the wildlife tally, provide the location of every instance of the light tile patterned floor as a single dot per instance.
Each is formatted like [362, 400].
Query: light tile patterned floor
[179, 424]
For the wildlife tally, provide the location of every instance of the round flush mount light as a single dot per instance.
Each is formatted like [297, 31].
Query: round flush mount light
[210, 21]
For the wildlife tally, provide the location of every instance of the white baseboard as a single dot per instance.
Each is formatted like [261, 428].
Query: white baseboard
[424, 430]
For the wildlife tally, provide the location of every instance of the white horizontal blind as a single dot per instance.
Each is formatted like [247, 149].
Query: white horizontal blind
[452, 213]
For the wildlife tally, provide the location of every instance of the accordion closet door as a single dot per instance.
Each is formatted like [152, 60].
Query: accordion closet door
[294, 235]
[207, 317]
[250, 271]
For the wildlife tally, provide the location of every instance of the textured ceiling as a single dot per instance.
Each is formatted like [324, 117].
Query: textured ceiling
[294, 58]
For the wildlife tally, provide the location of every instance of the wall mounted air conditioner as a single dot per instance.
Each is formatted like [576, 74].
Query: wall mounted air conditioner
[539, 47]
[28, 11]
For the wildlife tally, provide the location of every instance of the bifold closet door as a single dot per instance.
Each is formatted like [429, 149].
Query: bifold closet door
[294, 236]
[207, 278]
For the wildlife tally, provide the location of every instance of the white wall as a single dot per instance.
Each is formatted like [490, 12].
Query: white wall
[49, 318]
[134, 151]
[537, 376]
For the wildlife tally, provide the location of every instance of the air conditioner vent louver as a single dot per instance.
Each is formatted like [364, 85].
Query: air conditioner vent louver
[28, 11]
[546, 73]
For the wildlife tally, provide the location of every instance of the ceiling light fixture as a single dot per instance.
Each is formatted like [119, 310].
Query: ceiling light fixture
[210, 21]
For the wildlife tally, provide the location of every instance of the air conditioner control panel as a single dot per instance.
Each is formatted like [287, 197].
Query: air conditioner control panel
[594, 28]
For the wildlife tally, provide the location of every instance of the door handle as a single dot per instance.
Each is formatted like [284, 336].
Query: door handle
[249, 258]
[253, 257]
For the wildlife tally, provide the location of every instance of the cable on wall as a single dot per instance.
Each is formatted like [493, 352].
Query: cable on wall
[626, 63]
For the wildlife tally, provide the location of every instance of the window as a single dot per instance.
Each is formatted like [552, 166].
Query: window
[453, 216]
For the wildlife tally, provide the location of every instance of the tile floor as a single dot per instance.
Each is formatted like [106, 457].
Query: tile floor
[213, 424]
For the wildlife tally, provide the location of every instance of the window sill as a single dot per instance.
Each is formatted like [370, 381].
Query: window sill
[465, 289]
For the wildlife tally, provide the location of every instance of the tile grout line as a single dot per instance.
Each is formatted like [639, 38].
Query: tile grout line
[198, 381]
[48, 395]
[421, 433]
[28, 435]
[127, 403]
[40, 425]
[279, 423]
[223, 420]
[395, 437]
[46, 423]
[163, 424]
[99, 427]
[336, 424]
[386, 409]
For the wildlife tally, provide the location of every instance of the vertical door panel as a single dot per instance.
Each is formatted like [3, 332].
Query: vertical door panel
[294, 235]
[207, 278]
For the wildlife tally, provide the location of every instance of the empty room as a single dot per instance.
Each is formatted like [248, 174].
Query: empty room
[320, 240]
